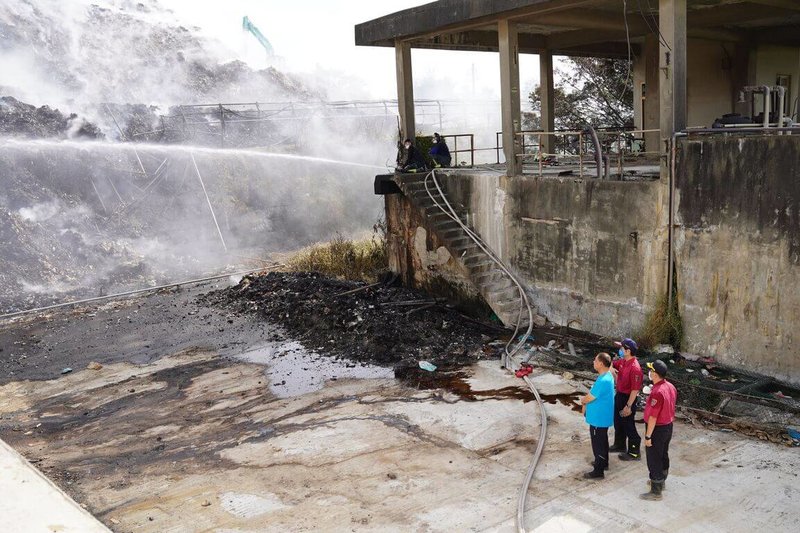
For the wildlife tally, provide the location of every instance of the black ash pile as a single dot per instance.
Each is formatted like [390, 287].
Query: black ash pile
[380, 324]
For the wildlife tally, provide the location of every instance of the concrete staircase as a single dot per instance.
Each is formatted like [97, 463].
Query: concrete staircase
[493, 284]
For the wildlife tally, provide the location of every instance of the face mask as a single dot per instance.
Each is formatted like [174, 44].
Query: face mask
[621, 352]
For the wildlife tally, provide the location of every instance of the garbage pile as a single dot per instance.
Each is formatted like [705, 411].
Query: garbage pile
[380, 324]
[18, 119]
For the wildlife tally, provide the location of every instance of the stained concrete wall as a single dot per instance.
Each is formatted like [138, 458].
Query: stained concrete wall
[592, 252]
[738, 250]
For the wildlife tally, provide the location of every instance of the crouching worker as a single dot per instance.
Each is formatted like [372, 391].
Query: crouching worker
[409, 159]
[439, 152]
[598, 407]
[659, 412]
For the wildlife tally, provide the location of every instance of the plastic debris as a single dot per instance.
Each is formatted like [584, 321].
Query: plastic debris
[781, 396]
[568, 375]
[94, 365]
[425, 365]
[66, 370]
[523, 371]
[705, 372]
[795, 435]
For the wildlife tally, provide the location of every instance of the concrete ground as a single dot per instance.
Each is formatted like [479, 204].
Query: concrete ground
[31, 499]
[195, 442]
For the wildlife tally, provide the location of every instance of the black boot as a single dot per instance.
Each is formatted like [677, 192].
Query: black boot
[619, 444]
[594, 474]
[632, 454]
[655, 491]
[593, 463]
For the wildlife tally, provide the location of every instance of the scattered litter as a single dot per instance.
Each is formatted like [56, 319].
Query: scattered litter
[664, 348]
[781, 396]
[94, 365]
[523, 371]
[66, 370]
[551, 344]
[525, 338]
[425, 365]
[704, 372]
[795, 435]
[205, 503]
[114, 521]
[568, 375]
[689, 370]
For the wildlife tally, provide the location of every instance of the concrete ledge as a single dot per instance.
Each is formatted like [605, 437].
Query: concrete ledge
[32, 503]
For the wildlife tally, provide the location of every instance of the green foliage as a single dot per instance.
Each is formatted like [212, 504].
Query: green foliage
[663, 325]
[588, 91]
[424, 143]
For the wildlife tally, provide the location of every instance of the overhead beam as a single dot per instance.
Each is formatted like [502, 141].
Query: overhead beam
[733, 13]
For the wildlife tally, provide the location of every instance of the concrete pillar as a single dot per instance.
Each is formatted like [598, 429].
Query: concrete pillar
[509, 94]
[547, 94]
[405, 90]
[651, 108]
[672, 66]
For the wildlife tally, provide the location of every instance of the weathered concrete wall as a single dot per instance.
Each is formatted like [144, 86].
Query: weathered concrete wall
[738, 250]
[592, 252]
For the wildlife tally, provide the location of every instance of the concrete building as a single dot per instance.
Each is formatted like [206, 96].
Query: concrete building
[594, 245]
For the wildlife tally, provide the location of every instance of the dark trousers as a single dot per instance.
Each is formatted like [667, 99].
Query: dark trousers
[658, 452]
[599, 447]
[443, 160]
[625, 427]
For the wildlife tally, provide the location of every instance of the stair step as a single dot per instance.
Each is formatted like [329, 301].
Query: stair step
[503, 294]
[499, 286]
[490, 276]
[458, 231]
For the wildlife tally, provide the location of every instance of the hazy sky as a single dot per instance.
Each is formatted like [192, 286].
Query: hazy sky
[317, 37]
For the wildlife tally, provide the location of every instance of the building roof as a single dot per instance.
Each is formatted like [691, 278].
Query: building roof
[578, 27]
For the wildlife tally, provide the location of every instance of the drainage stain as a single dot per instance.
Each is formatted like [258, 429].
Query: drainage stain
[456, 382]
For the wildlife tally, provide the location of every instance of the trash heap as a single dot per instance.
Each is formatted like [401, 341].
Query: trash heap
[382, 324]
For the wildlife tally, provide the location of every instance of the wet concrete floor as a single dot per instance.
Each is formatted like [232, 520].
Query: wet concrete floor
[189, 428]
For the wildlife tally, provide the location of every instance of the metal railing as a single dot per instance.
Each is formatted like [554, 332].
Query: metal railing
[455, 151]
[577, 147]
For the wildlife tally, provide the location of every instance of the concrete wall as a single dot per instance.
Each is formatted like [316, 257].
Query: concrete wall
[708, 81]
[738, 250]
[592, 252]
[773, 60]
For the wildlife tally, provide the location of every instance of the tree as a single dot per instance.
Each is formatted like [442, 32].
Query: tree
[588, 91]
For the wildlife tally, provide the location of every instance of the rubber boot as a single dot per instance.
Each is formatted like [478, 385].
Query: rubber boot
[655, 491]
[632, 454]
[619, 444]
[663, 483]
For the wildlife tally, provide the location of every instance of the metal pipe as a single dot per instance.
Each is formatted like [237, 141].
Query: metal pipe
[766, 106]
[137, 291]
[781, 103]
[671, 217]
[598, 151]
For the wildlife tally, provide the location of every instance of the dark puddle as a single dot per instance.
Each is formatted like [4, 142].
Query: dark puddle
[293, 370]
[455, 382]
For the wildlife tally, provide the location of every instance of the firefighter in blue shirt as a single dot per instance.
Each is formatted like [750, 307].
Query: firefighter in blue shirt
[599, 412]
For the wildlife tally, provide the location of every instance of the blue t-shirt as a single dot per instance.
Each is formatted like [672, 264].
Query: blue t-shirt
[600, 412]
